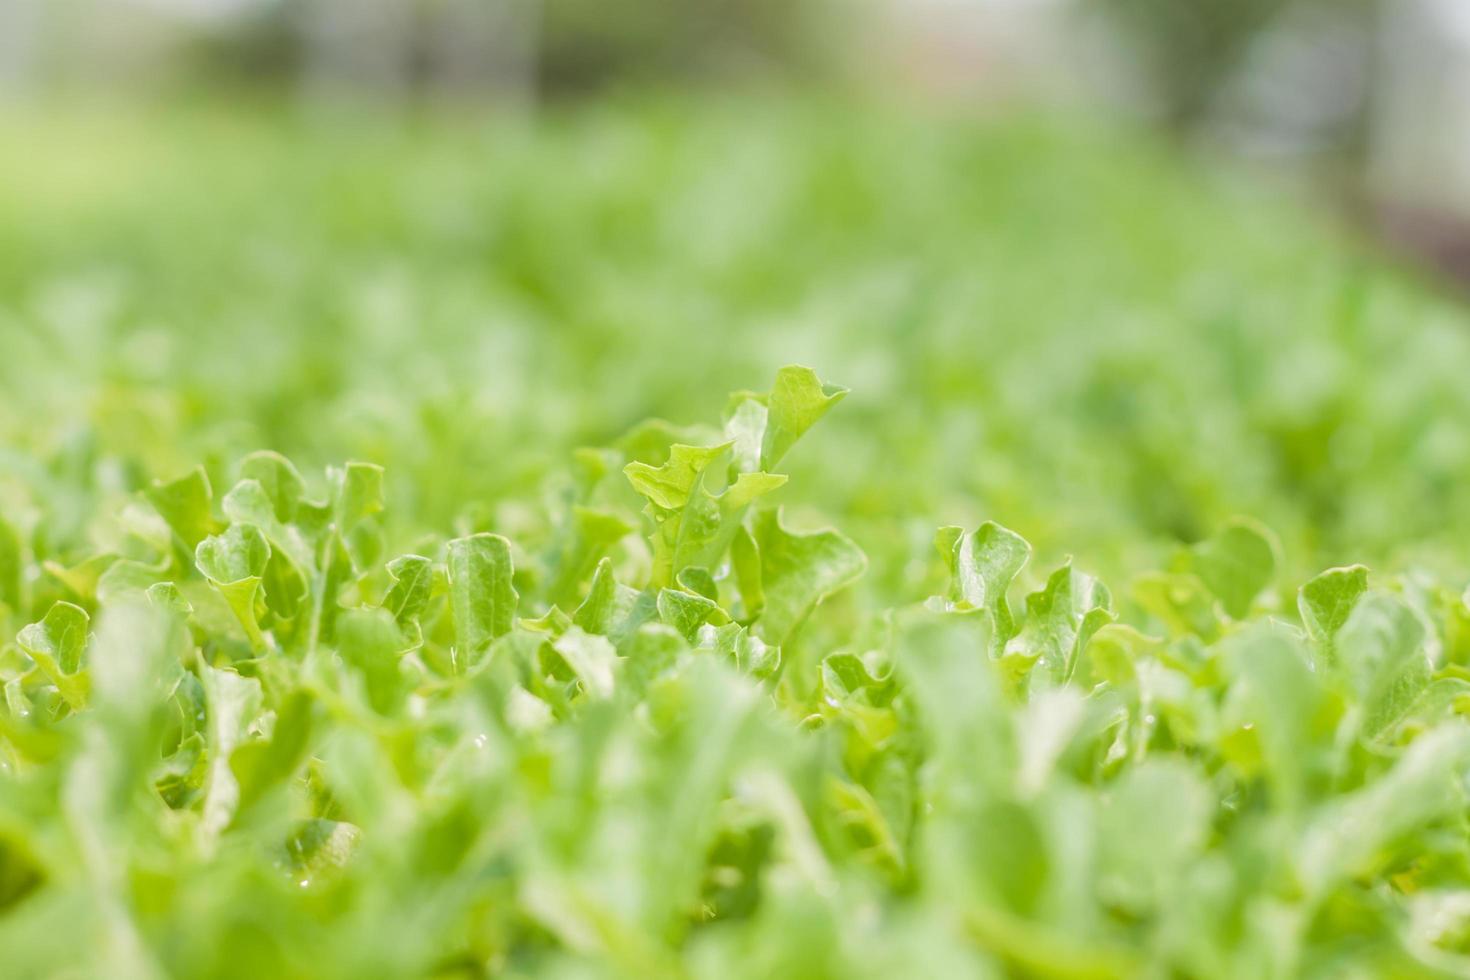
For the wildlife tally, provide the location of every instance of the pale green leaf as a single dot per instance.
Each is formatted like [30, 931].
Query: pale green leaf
[261, 766]
[12, 567]
[686, 611]
[693, 527]
[279, 480]
[248, 502]
[481, 594]
[592, 534]
[1326, 601]
[982, 566]
[797, 400]
[1060, 618]
[235, 564]
[1237, 564]
[798, 571]
[592, 658]
[232, 703]
[1381, 648]
[609, 608]
[1357, 833]
[56, 644]
[671, 484]
[1153, 823]
[185, 503]
[746, 430]
[371, 643]
[358, 493]
[413, 578]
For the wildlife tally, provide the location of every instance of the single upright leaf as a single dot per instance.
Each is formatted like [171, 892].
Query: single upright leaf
[260, 766]
[279, 480]
[611, 609]
[370, 642]
[1277, 701]
[592, 658]
[1061, 618]
[185, 504]
[941, 660]
[1236, 564]
[356, 496]
[1326, 601]
[335, 572]
[1381, 648]
[481, 595]
[239, 553]
[235, 564]
[700, 582]
[56, 645]
[982, 566]
[1045, 727]
[795, 403]
[359, 493]
[232, 703]
[63, 633]
[798, 571]
[413, 579]
[166, 595]
[285, 585]
[686, 611]
[746, 430]
[135, 665]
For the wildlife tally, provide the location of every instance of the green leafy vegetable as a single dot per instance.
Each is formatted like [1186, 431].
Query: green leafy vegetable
[1326, 601]
[453, 680]
[798, 570]
[480, 593]
[982, 566]
[1236, 564]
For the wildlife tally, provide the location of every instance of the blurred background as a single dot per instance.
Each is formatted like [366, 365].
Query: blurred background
[1276, 76]
[1107, 271]
[1371, 99]
[1374, 88]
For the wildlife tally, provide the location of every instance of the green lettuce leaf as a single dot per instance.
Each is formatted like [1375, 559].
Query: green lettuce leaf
[481, 594]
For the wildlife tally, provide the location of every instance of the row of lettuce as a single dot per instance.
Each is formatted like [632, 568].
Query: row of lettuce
[243, 738]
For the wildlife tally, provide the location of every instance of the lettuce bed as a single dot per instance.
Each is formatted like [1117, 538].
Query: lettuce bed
[361, 628]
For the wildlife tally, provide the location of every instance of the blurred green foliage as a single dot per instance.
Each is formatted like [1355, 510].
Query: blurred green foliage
[530, 685]
[1054, 325]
